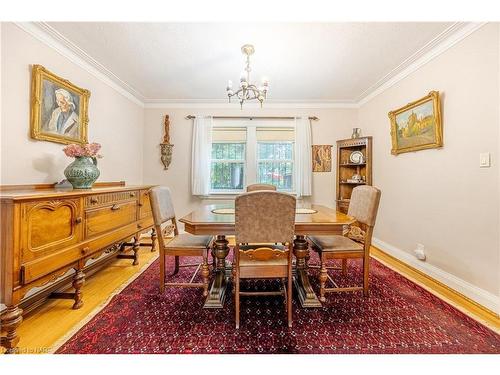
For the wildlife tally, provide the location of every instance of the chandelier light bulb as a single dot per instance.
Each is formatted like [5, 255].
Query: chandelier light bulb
[229, 84]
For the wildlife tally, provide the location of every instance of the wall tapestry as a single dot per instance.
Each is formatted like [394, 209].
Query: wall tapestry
[322, 158]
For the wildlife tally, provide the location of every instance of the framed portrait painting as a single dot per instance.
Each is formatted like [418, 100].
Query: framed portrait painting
[59, 109]
[417, 125]
[322, 158]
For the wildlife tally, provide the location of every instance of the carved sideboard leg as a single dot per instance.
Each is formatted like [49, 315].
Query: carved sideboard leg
[11, 319]
[154, 236]
[137, 244]
[78, 281]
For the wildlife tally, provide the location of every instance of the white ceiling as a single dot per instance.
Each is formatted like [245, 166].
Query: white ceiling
[338, 62]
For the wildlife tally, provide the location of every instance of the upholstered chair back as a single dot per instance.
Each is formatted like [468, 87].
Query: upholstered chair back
[256, 187]
[364, 204]
[265, 216]
[161, 204]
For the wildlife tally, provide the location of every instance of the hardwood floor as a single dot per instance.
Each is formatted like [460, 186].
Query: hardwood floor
[55, 319]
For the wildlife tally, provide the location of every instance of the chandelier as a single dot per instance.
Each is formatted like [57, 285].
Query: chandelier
[247, 91]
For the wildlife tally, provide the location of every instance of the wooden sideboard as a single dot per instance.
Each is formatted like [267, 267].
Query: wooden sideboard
[46, 231]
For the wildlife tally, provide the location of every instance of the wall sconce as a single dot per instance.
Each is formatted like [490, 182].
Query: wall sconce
[166, 147]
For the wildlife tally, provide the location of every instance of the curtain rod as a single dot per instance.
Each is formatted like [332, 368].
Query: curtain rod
[313, 118]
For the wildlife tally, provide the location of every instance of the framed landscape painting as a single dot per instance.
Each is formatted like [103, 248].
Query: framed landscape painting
[322, 158]
[417, 125]
[59, 109]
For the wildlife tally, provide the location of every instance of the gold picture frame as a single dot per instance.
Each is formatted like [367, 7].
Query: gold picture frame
[419, 129]
[59, 109]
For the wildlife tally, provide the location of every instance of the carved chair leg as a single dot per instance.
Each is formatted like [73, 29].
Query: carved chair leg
[78, 281]
[162, 270]
[344, 267]
[289, 298]
[233, 274]
[135, 248]
[154, 236]
[366, 273]
[11, 319]
[237, 298]
[176, 269]
[205, 272]
[323, 276]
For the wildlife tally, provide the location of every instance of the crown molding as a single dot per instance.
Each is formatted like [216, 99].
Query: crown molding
[53, 39]
[223, 104]
[441, 43]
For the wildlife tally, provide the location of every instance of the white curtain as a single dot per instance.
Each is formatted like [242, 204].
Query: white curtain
[303, 157]
[201, 155]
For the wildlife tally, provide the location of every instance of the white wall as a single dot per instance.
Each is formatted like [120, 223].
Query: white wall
[333, 124]
[114, 121]
[440, 197]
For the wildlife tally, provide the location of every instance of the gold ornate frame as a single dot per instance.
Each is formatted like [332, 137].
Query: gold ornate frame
[434, 96]
[38, 73]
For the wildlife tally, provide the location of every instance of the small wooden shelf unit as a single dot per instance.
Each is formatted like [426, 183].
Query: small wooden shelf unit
[346, 169]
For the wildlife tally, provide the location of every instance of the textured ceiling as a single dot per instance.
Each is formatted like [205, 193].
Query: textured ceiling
[303, 61]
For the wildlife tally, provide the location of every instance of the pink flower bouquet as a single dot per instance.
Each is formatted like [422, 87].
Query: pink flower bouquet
[89, 149]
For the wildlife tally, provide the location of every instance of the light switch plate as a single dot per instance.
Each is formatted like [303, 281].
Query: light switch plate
[484, 160]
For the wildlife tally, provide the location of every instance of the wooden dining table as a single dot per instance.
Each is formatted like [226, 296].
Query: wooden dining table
[218, 220]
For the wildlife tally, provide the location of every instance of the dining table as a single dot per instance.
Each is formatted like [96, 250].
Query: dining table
[218, 220]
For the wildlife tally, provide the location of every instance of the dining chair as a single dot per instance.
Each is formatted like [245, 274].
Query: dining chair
[262, 219]
[363, 207]
[256, 187]
[184, 244]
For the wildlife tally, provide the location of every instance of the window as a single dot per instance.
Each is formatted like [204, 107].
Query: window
[253, 153]
[275, 164]
[228, 166]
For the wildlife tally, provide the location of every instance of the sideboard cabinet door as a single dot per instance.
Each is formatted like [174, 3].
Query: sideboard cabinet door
[48, 226]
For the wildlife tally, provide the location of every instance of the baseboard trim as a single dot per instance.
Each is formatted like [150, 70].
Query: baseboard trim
[478, 311]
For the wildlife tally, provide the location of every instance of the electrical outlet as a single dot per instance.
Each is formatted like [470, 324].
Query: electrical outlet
[420, 252]
[484, 160]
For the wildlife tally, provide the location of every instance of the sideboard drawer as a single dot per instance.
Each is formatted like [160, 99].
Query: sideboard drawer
[35, 269]
[97, 200]
[107, 218]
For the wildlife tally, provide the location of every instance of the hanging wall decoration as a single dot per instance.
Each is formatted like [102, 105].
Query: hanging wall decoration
[59, 109]
[322, 158]
[166, 147]
[417, 125]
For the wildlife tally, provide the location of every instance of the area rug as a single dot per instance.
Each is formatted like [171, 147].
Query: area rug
[397, 317]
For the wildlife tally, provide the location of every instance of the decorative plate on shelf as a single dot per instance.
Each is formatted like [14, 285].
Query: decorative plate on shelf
[356, 157]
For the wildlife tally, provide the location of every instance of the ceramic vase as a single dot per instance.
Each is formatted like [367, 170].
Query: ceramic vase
[82, 172]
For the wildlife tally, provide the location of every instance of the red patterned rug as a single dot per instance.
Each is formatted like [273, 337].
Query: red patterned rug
[397, 317]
